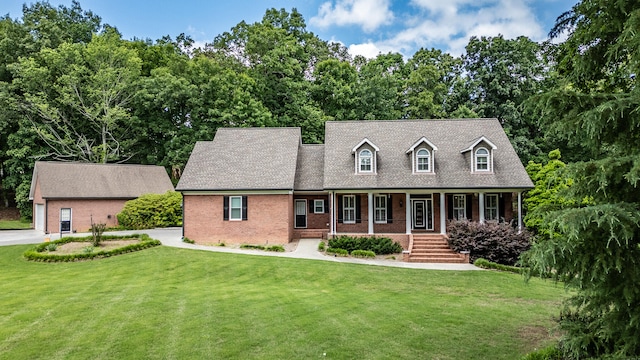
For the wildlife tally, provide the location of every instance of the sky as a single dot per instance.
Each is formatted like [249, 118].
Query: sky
[365, 27]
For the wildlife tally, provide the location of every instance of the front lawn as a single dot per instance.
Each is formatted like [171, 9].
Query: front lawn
[14, 225]
[167, 303]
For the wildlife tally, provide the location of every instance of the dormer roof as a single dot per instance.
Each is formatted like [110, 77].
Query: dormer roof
[364, 141]
[477, 141]
[419, 142]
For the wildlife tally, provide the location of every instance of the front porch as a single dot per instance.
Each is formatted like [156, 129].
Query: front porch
[416, 220]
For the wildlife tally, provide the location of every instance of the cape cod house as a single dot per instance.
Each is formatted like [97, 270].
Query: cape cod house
[69, 196]
[401, 179]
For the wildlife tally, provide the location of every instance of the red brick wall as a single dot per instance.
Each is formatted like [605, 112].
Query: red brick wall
[82, 211]
[399, 217]
[269, 220]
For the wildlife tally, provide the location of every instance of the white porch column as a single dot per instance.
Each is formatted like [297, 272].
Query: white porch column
[443, 215]
[332, 215]
[370, 212]
[519, 211]
[407, 206]
[481, 207]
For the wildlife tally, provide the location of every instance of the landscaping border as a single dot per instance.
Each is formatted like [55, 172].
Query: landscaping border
[39, 254]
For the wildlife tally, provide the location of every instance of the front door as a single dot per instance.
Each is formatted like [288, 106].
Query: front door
[419, 214]
[301, 214]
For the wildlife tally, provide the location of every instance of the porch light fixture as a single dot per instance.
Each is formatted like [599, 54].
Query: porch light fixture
[400, 202]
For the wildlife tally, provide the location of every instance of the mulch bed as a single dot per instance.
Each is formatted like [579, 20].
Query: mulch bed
[78, 247]
[9, 213]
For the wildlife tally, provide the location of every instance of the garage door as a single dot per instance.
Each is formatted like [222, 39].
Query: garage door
[39, 217]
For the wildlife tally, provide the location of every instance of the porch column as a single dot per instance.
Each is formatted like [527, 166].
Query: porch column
[407, 206]
[370, 211]
[481, 207]
[332, 215]
[443, 215]
[519, 212]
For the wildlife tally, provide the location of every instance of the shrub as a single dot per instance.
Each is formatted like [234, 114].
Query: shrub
[249, 246]
[51, 247]
[363, 254]
[496, 242]
[379, 245]
[187, 240]
[151, 211]
[337, 251]
[96, 233]
[275, 248]
[88, 249]
[485, 264]
[321, 246]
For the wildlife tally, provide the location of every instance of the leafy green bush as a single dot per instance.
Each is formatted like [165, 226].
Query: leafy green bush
[51, 247]
[151, 211]
[187, 240]
[496, 242]
[337, 251]
[379, 245]
[363, 254]
[275, 248]
[96, 233]
[38, 253]
[254, 247]
[321, 246]
[485, 264]
[548, 353]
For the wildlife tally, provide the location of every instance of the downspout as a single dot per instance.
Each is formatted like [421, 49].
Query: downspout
[519, 212]
[182, 215]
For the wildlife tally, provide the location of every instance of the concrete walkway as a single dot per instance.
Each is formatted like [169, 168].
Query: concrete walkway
[306, 249]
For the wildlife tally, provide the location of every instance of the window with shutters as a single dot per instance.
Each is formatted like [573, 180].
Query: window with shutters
[491, 207]
[459, 207]
[349, 209]
[380, 209]
[235, 208]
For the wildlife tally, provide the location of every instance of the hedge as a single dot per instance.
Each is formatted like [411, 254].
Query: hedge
[39, 252]
[379, 245]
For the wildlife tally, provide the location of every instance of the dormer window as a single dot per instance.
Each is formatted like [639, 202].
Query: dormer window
[365, 160]
[423, 158]
[365, 154]
[423, 154]
[482, 159]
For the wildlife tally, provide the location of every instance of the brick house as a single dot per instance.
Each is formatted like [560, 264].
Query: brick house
[68, 196]
[402, 179]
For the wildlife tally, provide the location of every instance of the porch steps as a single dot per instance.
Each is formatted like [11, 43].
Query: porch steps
[433, 248]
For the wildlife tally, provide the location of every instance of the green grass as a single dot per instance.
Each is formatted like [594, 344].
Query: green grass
[167, 303]
[14, 224]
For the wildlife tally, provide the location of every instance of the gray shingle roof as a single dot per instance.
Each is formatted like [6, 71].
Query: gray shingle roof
[310, 168]
[98, 181]
[394, 171]
[243, 159]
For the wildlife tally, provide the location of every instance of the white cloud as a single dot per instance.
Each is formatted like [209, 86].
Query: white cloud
[449, 25]
[368, 14]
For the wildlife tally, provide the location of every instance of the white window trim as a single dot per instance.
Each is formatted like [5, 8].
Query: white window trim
[345, 209]
[417, 163]
[380, 208]
[475, 160]
[315, 206]
[464, 207]
[231, 218]
[486, 207]
[371, 162]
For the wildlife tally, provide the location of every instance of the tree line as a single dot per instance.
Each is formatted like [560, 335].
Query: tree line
[72, 89]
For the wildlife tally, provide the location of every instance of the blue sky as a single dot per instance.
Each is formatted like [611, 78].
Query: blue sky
[366, 27]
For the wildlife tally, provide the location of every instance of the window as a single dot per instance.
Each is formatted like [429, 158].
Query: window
[459, 207]
[491, 207]
[365, 160]
[349, 209]
[482, 159]
[380, 209]
[422, 160]
[318, 206]
[235, 208]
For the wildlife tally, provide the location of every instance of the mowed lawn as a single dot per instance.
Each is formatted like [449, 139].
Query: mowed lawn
[168, 303]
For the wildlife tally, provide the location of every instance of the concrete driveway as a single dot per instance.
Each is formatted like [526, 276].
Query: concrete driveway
[20, 237]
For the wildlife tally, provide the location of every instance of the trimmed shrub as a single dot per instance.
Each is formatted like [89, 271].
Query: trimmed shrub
[39, 252]
[275, 248]
[363, 254]
[252, 247]
[51, 247]
[337, 251]
[152, 211]
[187, 240]
[496, 242]
[485, 264]
[379, 245]
[321, 246]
